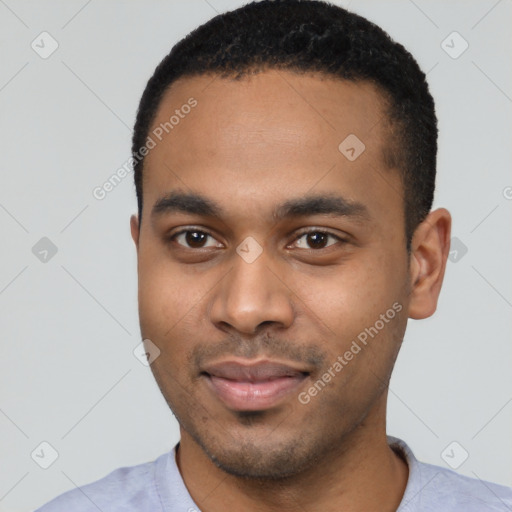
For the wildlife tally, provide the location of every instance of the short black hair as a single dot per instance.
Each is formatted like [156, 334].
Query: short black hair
[318, 37]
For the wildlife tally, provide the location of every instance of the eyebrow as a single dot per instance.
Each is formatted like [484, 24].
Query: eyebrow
[318, 204]
[191, 203]
[322, 204]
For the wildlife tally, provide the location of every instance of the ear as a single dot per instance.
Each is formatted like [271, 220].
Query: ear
[134, 228]
[430, 247]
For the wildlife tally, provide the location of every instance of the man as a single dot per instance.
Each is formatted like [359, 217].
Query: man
[285, 157]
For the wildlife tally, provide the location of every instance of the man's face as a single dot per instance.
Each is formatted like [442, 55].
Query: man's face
[245, 330]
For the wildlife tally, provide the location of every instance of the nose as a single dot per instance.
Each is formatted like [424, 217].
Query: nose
[251, 294]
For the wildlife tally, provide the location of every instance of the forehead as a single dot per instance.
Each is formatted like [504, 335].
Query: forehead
[306, 108]
[277, 132]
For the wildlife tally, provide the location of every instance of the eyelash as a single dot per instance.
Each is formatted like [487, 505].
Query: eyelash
[319, 231]
[190, 230]
[298, 237]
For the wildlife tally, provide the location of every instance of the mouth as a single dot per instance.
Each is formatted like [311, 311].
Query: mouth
[242, 386]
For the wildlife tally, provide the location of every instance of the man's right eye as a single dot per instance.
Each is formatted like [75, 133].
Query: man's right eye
[194, 239]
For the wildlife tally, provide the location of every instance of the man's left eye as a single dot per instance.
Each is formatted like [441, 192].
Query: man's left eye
[316, 240]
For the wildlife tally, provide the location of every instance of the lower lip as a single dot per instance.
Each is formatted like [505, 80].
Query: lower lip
[253, 396]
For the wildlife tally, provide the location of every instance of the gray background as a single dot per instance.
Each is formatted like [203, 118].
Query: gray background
[69, 324]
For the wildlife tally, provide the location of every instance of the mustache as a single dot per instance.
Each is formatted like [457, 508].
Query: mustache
[265, 346]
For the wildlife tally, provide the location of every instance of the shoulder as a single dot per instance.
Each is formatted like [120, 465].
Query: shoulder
[447, 490]
[124, 489]
[433, 488]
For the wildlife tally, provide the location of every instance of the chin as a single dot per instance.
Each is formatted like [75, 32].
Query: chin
[260, 458]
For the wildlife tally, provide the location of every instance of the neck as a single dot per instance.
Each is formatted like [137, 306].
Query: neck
[362, 474]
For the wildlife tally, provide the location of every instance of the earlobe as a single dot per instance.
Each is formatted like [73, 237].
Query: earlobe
[429, 252]
[134, 228]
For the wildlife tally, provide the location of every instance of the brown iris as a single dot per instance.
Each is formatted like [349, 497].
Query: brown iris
[317, 240]
[195, 238]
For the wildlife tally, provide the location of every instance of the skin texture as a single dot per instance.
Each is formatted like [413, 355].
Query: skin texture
[249, 146]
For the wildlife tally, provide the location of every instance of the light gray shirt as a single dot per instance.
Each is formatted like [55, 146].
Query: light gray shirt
[158, 487]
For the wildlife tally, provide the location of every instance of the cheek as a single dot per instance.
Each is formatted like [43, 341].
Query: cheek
[163, 294]
[351, 293]
[166, 308]
[347, 306]
[172, 301]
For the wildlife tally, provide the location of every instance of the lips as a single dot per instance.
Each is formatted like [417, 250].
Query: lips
[253, 387]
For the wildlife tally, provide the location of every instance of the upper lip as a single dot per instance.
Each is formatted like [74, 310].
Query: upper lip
[253, 372]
